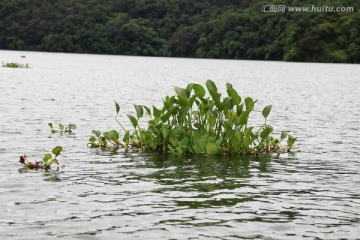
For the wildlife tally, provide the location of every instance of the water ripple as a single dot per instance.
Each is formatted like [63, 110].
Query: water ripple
[311, 194]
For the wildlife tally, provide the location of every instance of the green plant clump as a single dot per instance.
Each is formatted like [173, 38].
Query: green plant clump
[196, 121]
[105, 139]
[48, 160]
[15, 65]
[63, 128]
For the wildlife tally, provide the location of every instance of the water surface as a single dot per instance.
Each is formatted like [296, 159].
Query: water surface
[313, 193]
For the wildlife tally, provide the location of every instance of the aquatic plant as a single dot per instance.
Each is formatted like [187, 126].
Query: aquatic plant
[105, 139]
[15, 65]
[48, 160]
[196, 121]
[63, 128]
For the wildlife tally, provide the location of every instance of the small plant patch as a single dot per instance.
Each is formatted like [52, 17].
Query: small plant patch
[15, 65]
[105, 140]
[48, 160]
[197, 120]
[62, 128]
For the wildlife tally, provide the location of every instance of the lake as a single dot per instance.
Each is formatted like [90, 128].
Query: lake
[311, 193]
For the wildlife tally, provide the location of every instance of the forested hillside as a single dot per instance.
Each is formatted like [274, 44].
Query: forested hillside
[235, 29]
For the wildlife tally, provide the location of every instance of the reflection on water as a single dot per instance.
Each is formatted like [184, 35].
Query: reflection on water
[311, 194]
[53, 176]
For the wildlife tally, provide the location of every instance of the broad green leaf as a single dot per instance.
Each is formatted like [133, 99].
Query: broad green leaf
[139, 111]
[127, 137]
[56, 150]
[211, 148]
[147, 110]
[199, 90]
[212, 121]
[198, 148]
[191, 101]
[96, 133]
[211, 86]
[47, 156]
[247, 143]
[248, 100]
[165, 117]
[248, 131]
[169, 101]
[182, 114]
[144, 135]
[283, 135]
[189, 88]
[249, 103]
[239, 109]
[291, 140]
[234, 95]
[229, 86]
[220, 105]
[50, 125]
[92, 139]
[165, 132]
[113, 135]
[181, 92]
[242, 119]
[133, 120]
[106, 135]
[183, 101]
[236, 137]
[266, 111]
[61, 127]
[202, 108]
[156, 112]
[228, 103]
[175, 131]
[266, 132]
[72, 126]
[117, 107]
[173, 109]
[151, 122]
[216, 98]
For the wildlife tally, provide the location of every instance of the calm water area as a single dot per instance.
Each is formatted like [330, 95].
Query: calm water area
[311, 193]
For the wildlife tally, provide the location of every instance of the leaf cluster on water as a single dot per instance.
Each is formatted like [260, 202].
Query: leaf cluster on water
[105, 139]
[49, 159]
[15, 65]
[62, 128]
[198, 120]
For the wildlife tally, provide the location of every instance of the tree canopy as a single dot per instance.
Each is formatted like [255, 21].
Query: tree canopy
[231, 29]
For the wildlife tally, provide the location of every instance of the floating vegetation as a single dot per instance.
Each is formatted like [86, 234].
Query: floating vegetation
[48, 160]
[105, 140]
[196, 121]
[15, 65]
[63, 128]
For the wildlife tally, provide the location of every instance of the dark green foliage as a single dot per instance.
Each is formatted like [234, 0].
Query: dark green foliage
[183, 28]
[198, 120]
